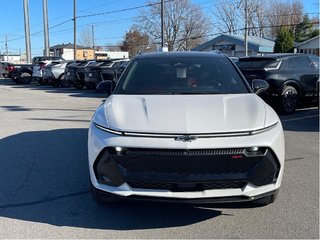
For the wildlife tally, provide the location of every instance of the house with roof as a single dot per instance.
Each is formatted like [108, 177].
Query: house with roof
[233, 45]
[310, 46]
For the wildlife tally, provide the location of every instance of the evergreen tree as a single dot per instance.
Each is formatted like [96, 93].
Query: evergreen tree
[305, 30]
[285, 41]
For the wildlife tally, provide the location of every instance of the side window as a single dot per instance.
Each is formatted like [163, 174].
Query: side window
[116, 64]
[284, 64]
[315, 61]
[302, 62]
[290, 62]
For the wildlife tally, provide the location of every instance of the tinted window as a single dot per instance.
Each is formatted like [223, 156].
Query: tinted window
[302, 62]
[255, 63]
[315, 61]
[185, 75]
[82, 64]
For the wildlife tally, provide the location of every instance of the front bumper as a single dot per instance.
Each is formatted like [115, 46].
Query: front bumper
[197, 177]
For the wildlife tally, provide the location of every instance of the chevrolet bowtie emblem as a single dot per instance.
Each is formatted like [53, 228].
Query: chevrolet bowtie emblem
[186, 138]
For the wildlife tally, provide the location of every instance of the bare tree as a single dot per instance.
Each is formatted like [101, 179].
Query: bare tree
[227, 14]
[185, 25]
[288, 14]
[86, 37]
[264, 17]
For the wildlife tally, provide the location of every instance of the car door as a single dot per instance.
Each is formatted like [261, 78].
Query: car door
[306, 73]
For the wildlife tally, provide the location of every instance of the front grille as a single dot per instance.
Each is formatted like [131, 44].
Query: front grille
[182, 187]
[142, 152]
[80, 75]
[206, 168]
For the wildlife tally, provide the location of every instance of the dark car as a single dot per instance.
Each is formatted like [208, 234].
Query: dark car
[81, 72]
[291, 77]
[20, 73]
[70, 73]
[2, 71]
[5, 68]
[103, 70]
[75, 73]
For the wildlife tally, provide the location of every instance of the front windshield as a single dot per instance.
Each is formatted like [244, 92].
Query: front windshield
[184, 75]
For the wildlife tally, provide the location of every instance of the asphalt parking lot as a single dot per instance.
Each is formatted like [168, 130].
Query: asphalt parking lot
[44, 190]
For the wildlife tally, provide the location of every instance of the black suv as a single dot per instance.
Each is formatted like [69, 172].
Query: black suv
[103, 70]
[291, 77]
[75, 73]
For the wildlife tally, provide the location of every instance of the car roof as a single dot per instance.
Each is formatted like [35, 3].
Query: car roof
[176, 54]
[274, 56]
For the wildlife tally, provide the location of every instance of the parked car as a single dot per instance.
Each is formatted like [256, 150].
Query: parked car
[291, 77]
[6, 67]
[2, 70]
[39, 63]
[20, 73]
[75, 73]
[81, 71]
[103, 70]
[234, 59]
[53, 73]
[185, 127]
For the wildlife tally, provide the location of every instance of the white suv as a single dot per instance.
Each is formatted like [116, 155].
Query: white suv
[185, 127]
[38, 65]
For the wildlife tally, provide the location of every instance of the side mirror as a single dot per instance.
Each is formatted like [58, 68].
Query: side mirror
[259, 86]
[105, 86]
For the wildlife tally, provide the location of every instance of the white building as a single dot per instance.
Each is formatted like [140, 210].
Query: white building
[13, 58]
[310, 46]
[111, 54]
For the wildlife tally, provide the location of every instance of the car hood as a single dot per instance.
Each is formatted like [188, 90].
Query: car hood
[186, 114]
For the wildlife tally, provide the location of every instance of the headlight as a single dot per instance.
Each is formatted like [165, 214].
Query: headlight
[107, 129]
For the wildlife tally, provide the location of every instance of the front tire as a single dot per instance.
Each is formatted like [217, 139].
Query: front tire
[78, 85]
[289, 99]
[64, 82]
[25, 78]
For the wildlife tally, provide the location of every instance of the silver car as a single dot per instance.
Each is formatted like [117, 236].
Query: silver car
[53, 73]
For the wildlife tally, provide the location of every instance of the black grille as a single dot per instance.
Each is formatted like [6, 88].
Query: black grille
[181, 187]
[203, 169]
[141, 152]
[80, 75]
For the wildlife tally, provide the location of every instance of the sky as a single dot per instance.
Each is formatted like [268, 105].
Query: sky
[109, 29]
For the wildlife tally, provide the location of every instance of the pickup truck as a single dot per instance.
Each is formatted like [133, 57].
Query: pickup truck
[21, 73]
[24, 73]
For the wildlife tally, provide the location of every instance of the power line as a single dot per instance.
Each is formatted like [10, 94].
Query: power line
[122, 10]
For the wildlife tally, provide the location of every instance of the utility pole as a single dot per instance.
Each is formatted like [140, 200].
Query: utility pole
[46, 27]
[7, 48]
[94, 51]
[27, 29]
[246, 27]
[74, 30]
[163, 48]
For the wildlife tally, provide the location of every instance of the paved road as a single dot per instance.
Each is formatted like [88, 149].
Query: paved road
[44, 179]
